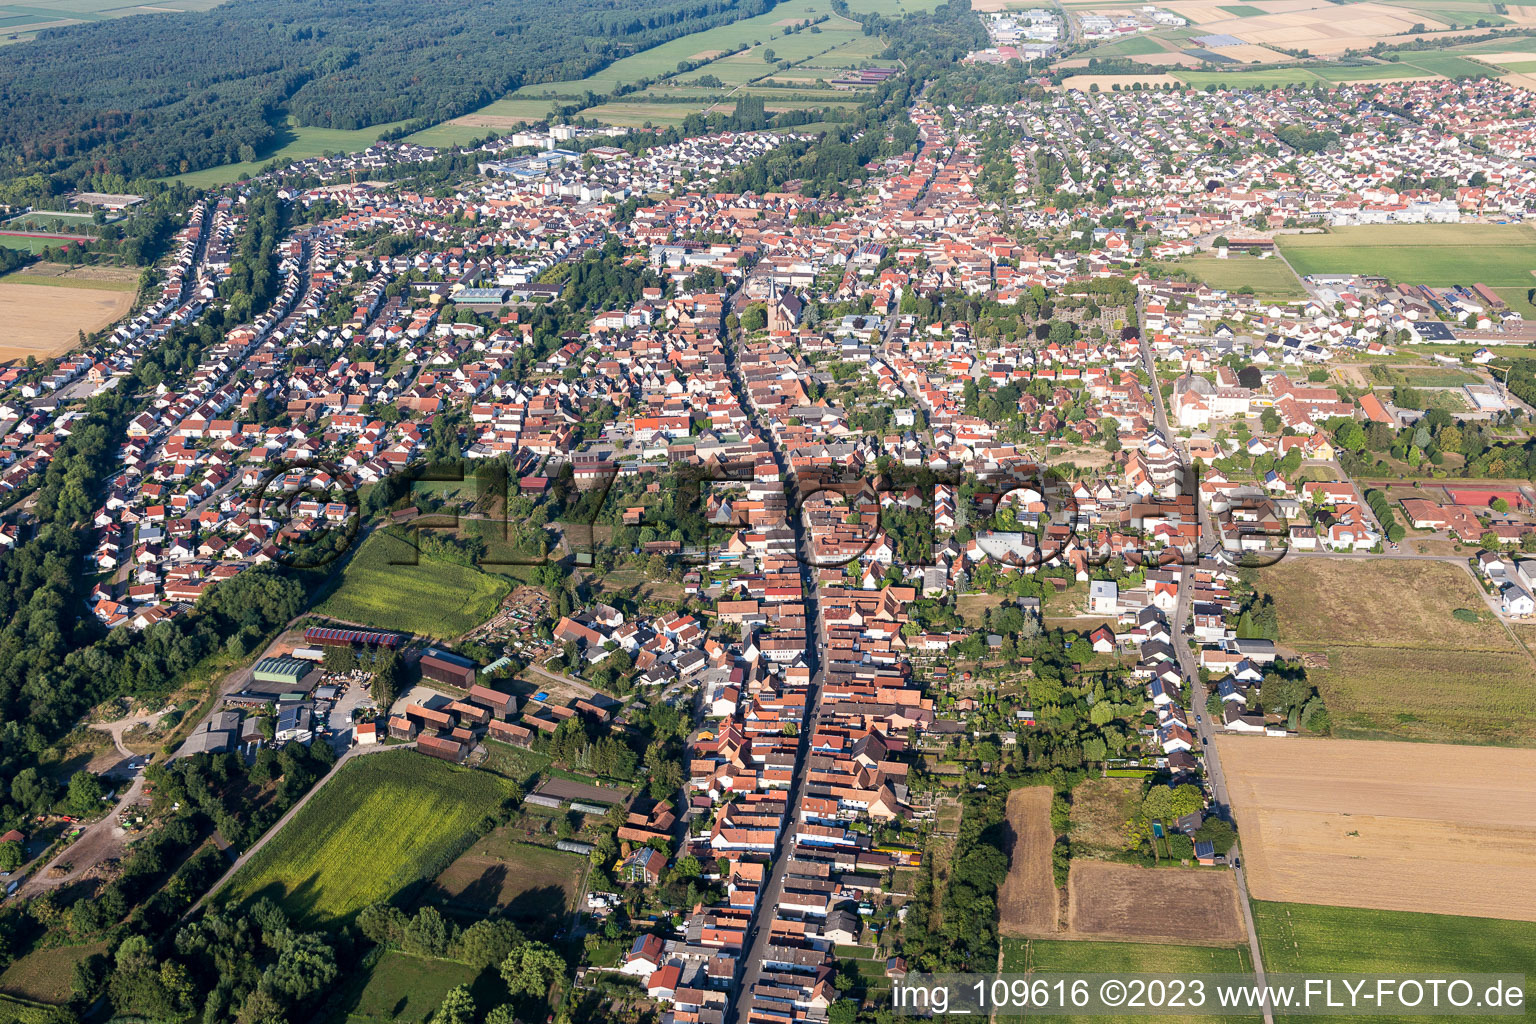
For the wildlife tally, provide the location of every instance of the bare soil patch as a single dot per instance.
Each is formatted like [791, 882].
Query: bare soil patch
[1027, 900]
[1136, 904]
[1386, 826]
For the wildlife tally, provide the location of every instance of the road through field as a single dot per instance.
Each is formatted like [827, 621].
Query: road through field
[293, 811]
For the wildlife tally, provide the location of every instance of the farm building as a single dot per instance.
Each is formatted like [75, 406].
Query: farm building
[402, 728]
[283, 672]
[446, 667]
[506, 732]
[501, 705]
[574, 846]
[588, 808]
[542, 800]
[325, 636]
[441, 747]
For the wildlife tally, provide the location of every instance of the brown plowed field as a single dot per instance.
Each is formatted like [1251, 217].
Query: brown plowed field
[1135, 904]
[1386, 826]
[1027, 900]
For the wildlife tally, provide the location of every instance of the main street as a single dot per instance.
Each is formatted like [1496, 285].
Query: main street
[759, 933]
[1204, 728]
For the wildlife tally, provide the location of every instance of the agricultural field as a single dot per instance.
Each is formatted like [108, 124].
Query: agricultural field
[661, 61]
[1296, 938]
[46, 306]
[1126, 902]
[1498, 255]
[1028, 956]
[1026, 903]
[1100, 809]
[381, 825]
[1389, 826]
[533, 885]
[19, 22]
[432, 598]
[1399, 664]
[1269, 278]
[295, 143]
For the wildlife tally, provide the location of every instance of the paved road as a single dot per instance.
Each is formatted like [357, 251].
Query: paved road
[286, 818]
[1191, 672]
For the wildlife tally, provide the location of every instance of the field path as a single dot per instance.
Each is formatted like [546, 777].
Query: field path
[285, 819]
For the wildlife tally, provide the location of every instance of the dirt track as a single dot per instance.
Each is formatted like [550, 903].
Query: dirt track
[1027, 900]
[1387, 826]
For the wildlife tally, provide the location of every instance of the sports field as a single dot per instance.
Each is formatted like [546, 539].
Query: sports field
[383, 823]
[1296, 938]
[1399, 664]
[432, 598]
[1390, 826]
[1498, 255]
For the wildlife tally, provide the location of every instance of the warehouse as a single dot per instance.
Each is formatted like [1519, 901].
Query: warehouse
[446, 667]
[325, 636]
[282, 674]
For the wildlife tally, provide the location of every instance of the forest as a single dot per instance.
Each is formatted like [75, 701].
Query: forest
[151, 96]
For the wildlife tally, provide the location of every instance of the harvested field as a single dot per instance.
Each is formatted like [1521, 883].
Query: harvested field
[1130, 903]
[1027, 900]
[45, 321]
[1100, 809]
[1386, 826]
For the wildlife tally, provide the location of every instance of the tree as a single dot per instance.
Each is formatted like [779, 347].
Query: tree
[458, 1007]
[487, 943]
[84, 793]
[531, 968]
[33, 791]
[1218, 832]
[11, 856]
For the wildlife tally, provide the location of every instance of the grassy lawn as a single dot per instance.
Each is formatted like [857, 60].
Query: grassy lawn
[1300, 938]
[432, 598]
[44, 976]
[382, 825]
[1269, 278]
[1399, 664]
[1421, 376]
[295, 143]
[407, 989]
[70, 281]
[1070, 957]
[532, 885]
[1498, 255]
[23, 1012]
